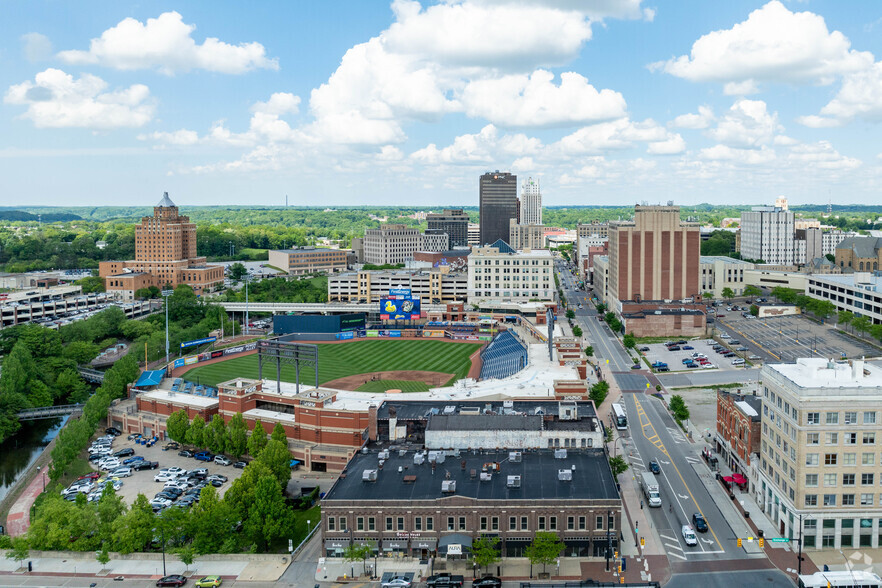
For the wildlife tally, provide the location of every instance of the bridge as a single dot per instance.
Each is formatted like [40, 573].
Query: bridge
[90, 375]
[49, 412]
[321, 307]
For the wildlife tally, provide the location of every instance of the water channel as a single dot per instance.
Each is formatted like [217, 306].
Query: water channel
[18, 453]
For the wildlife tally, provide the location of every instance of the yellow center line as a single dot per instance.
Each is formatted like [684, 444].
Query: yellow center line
[641, 413]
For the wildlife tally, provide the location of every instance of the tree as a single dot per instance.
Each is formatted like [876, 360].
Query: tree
[859, 323]
[21, 549]
[269, 518]
[571, 314]
[237, 436]
[237, 271]
[70, 385]
[754, 310]
[844, 317]
[609, 316]
[751, 291]
[678, 408]
[277, 458]
[186, 554]
[102, 556]
[134, 530]
[257, 440]
[727, 293]
[196, 432]
[485, 551]
[589, 351]
[279, 434]
[91, 284]
[598, 392]
[544, 549]
[785, 295]
[708, 296]
[577, 331]
[601, 307]
[80, 351]
[358, 552]
[618, 465]
[215, 437]
[177, 426]
[629, 341]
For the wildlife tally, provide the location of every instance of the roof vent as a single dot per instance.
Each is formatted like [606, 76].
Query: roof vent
[419, 458]
[369, 476]
[409, 479]
[565, 475]
[560, 454]
[486, 476]
[508, 403]
[448, 486]
[449, 409]
[384, 455]
[436, 457]
[514, 456]
[513, 482]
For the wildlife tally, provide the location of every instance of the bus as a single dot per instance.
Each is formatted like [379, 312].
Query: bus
[619, 417]
[854, 579]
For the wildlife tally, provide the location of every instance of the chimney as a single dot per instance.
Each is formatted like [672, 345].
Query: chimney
[372, 422]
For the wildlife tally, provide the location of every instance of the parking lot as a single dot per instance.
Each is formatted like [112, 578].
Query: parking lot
[142, 481]
[786, 338]
[674, 359]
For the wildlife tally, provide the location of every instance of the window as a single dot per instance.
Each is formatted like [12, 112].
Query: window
[851, 418]
[867, 479]
[512, 523]
[450, 526]
[524, 525]
[811, 459]
[831, 438]
[848, 500]
[571, 523]
[829, 459]
[341, 522]
[813, 418]
[483, 523]
[599, 523]
[372, 524]
[552, 523]
[829, 500]
[389, 524]
[813, 439]
[582, 525]
[866, 500]
[869, 418]
[847, 479]
[868, 458]
[869, 438]
[541, 523]
[494, 524]
[832, 418]
[462, 523]
[430, 524]
[849, 459]
[418, 524]
[830, 479]
[331, 523]
[811, 480]
[850, 438]
[359, 524]
[811, 500]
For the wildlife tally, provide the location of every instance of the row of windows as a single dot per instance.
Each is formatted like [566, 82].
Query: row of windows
[848, 459]
[459, 523]
[830, 480]
[509, 262]
[844, 499]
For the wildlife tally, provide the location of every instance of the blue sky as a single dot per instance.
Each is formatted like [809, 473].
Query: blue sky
[370, 102]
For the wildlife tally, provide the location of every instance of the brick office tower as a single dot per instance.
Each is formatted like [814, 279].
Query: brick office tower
[498, 204]
[165, 253]
[656, 257]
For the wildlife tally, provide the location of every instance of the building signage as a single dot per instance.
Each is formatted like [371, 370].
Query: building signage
[191, 360]
[185, 344]
[403, 535]
[399, 293]
[454, 549]
[307, 403]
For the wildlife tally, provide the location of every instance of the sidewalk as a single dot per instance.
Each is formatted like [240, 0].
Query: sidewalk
[18, 521]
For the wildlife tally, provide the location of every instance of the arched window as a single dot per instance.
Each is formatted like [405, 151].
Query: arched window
[862, 266]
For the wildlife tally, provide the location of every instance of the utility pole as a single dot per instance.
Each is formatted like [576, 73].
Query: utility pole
[165, 295]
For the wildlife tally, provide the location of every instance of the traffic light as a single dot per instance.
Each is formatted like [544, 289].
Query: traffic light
[762, 542]
[739, 542]
[643, 542]
[616, 556]
[622, 581]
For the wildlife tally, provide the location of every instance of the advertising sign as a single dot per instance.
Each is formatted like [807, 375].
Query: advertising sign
[179, 363]
[240, 348]
[346, 335]
[396, 310]
[372, 333]
[191, 360]
[433, 333]
[400, 293]
[394, 333]
[186, 344]
[216, 354]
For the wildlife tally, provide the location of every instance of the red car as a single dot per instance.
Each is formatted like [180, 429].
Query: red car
[173, 580]
[90, 476]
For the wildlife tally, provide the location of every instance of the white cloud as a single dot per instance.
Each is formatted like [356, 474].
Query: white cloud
[671, 146]
[745, 88]
[741, 156]
[279, 103]
[702, 120]
[56, 99]
[860, 96]
[772, 45]
[617, 134]
[165, 43]
[593, 9]
[534, 100]
[182, 137]
[818, 122]
[747, 124]
[36, 47]
[484, 147]
[821, 155]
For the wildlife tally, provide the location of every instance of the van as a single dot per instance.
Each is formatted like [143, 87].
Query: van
[650, 488]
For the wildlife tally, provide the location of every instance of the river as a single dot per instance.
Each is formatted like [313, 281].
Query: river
[18, 453]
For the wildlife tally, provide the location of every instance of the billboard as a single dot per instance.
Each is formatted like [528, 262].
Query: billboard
[400, 293]
[311, 323]
[395, 310]
[198, 342]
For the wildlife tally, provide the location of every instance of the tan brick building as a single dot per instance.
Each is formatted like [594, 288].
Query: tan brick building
[859, 254]
[165, 254]
[307, 260]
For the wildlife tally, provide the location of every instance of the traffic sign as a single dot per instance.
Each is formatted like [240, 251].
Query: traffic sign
[168, 292]
[779, 539]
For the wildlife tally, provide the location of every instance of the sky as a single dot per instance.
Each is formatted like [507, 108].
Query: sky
[369, 102]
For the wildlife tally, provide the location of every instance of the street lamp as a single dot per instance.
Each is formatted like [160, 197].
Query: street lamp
[799, 556]
[608, 539]
[246, 304]
[165, 295]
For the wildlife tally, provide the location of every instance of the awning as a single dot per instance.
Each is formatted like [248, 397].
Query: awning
[728, 479]
[293, 463]
[457, 538]
[150, 378]
[336, 543]
[423, 544]
[395, 544]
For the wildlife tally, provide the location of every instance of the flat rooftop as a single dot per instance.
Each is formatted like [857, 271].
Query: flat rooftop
[817, 372]
[180, 398]
[538, 469]
[868, 281]
[724, 259]
[484, 422]
[421, 409]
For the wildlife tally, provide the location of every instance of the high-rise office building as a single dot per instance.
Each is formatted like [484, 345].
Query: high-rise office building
[767, 233]
[498, 205]
[454, 222]
[531, 203]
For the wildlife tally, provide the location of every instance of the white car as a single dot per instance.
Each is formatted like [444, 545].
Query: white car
[179, 485]
[708, 366]
[725, 336]
[121, 472]
[164, 477]
[737, 361]
[221, 460]
[172, 470]
[77, 487]
[160, 503]
[109, 463]
[689, 535]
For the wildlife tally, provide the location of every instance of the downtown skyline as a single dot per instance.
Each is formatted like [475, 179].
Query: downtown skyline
[603, 101]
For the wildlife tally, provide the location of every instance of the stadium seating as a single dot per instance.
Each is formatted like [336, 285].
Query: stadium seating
[504, 356]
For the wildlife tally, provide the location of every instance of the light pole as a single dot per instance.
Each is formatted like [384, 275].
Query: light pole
[246, 305]
[165, 295]
[608, 539]
[848, 566]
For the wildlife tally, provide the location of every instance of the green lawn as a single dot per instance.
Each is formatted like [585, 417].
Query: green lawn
[339, 360]
[403, 385]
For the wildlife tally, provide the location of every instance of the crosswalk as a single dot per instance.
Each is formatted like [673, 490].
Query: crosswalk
[674, 548]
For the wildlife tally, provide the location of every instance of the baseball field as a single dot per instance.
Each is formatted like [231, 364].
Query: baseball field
[370, 366]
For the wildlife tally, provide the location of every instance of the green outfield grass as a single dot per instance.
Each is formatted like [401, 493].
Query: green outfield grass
[347, 359]
[403, 385]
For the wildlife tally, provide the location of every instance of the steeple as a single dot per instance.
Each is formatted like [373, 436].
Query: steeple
[166, 201]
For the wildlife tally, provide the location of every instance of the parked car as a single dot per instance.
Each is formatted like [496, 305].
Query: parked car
[397, 582]
[160, 503]
[699, 523]
[220, 477]
[145, 465]
[204, 456]
[737, 361]
[742, 348]
[173, 580]
[177, 485]
[687, 348]
[174, 470]
[222, 460]
[171, 445]
[133, 459]
[185, 453]
[134, 437]
[636, 366]
[121, 472]
[654, 467]
[199, 472]
[644, 348]
[240, 465]
[487, 582]
[689, 535]
[113, 431]
[674, 348]
[90, 476]
[124, 452]
[107, 464]
[444, 580]
[663, 368]
[208, 582]
[164, 477]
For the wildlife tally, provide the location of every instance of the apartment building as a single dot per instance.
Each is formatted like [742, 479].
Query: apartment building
[525, 236]
[395, 243]
[820, 466]
[767, 234]
[371, 285]
[307, 260]
[498, 272]
[434, 240]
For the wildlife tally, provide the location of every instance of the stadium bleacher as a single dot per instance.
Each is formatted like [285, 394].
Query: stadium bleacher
[504, 356]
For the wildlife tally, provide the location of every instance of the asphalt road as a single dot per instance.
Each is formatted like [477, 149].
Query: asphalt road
[767, 578]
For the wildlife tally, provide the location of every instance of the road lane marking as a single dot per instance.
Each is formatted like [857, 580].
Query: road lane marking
[677, 547]
[666, 537]
[676, 555]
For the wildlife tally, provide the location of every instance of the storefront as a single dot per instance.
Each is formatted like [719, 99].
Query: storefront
[394, 547]
[455, 546]
[335, 547]
[577, 547]
[423, 548]
[516, 546]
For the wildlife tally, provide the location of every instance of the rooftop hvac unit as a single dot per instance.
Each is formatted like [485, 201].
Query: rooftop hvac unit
[402, 452]
[486, 476]
[384, 454]
[515, 456]
[369, 476]
[419, 459]
[448, 486]
[514, 482]
[436, 457]
[449, 409]
[508, 403]
[560, 454]
[565, 475]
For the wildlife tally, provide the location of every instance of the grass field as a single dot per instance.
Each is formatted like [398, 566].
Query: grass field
[347, 359]
[403, 385]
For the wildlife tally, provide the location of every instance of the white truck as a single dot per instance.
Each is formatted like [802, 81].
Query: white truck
[650, 489]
